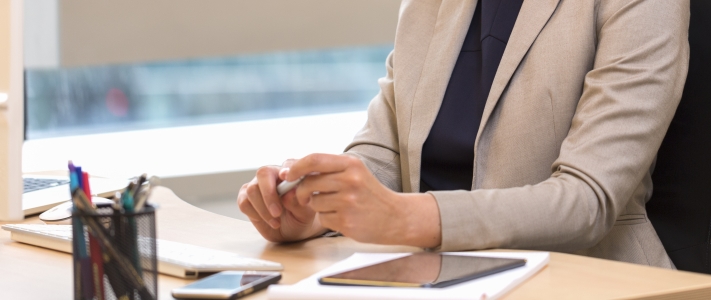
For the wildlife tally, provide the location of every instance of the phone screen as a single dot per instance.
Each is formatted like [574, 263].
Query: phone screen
[227, 281]
[424, 270]
[227, 285]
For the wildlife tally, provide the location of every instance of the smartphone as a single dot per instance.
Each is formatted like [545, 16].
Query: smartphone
[424, 270]
[227, 285]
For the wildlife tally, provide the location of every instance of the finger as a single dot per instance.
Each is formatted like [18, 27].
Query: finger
[255, 198]
[267, 178]
[282, 173]
[289, 202]
[264, 228]
[247, 209]
[245, 206]
[302, 213]
[319, 163]
[242, 193]
[288, 163]
[322, 183]
[328, 202]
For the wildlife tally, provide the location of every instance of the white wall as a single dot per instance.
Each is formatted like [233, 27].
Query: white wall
[41, 34]
[101, 32]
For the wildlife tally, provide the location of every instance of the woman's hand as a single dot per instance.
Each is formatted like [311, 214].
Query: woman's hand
[277, 219]
[347, 198]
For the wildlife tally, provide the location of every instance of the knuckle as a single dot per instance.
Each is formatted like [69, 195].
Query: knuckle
[240, 197]
[350, 198]
[316, 158]
[354, 161]
[311, 159]
[243, 204]
[242, 191]
[263, 171]
[289, 162]
[354, 179]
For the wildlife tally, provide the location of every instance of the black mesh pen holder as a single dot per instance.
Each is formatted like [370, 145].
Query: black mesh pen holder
[114, 254]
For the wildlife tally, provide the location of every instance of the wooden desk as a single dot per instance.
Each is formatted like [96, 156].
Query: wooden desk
[29, 272]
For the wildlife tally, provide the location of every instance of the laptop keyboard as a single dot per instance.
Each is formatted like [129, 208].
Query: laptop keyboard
[34, 184]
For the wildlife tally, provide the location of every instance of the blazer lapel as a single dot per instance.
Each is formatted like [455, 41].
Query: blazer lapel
[450, 30]
[531, 19]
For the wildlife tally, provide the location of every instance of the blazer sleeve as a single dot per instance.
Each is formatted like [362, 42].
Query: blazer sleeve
[627, 104]
[376, 144]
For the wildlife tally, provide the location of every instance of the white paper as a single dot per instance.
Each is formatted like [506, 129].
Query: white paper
[489, 287]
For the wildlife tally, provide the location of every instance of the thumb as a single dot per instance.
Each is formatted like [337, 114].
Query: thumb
[302, 213]
[283, 172]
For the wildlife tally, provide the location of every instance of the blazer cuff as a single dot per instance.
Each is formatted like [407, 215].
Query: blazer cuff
[458, 230]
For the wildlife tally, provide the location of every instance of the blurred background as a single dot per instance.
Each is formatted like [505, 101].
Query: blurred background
[95, 67]
[134, 64]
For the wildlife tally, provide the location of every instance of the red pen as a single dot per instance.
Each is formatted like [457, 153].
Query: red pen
[97, 264]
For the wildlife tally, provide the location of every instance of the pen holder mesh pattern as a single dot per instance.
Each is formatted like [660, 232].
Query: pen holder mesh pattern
[115, 254]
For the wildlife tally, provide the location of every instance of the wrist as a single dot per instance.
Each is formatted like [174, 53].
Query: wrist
[421, 221]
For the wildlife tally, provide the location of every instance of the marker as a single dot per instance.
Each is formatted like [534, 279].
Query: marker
[286, 186]
[97, 264]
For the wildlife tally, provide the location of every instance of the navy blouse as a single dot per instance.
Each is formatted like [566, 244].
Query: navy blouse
[448, 152]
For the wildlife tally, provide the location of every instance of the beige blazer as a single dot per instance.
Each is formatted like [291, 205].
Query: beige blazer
[564, 153]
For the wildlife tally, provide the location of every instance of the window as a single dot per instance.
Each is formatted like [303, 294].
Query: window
[69, 101]
[99, 66]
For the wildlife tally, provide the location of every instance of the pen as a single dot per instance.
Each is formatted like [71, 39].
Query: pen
[139, 183]
[131, 240]
[76, 184]
[80, 181]
[122, 264]
[127, 199]
[117, 205]
[286, 186]
[145, 192]
[73, 181]
[94, 249]
[110, 267]
[142, 197]
[76, 231]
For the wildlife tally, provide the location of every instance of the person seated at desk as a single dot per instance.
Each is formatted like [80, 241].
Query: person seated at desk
[501, 124]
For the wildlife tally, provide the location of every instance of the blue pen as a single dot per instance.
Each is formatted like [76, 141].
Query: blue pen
[73, 180]
[78, 226]
[77, 172]
[78, 230]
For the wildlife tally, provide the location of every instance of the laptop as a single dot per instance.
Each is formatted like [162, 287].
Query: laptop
[39, 193]
[44, 192]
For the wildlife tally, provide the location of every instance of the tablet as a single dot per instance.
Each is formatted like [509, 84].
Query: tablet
[424, 270]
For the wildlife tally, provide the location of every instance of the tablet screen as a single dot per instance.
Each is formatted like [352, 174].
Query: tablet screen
[424, 270]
